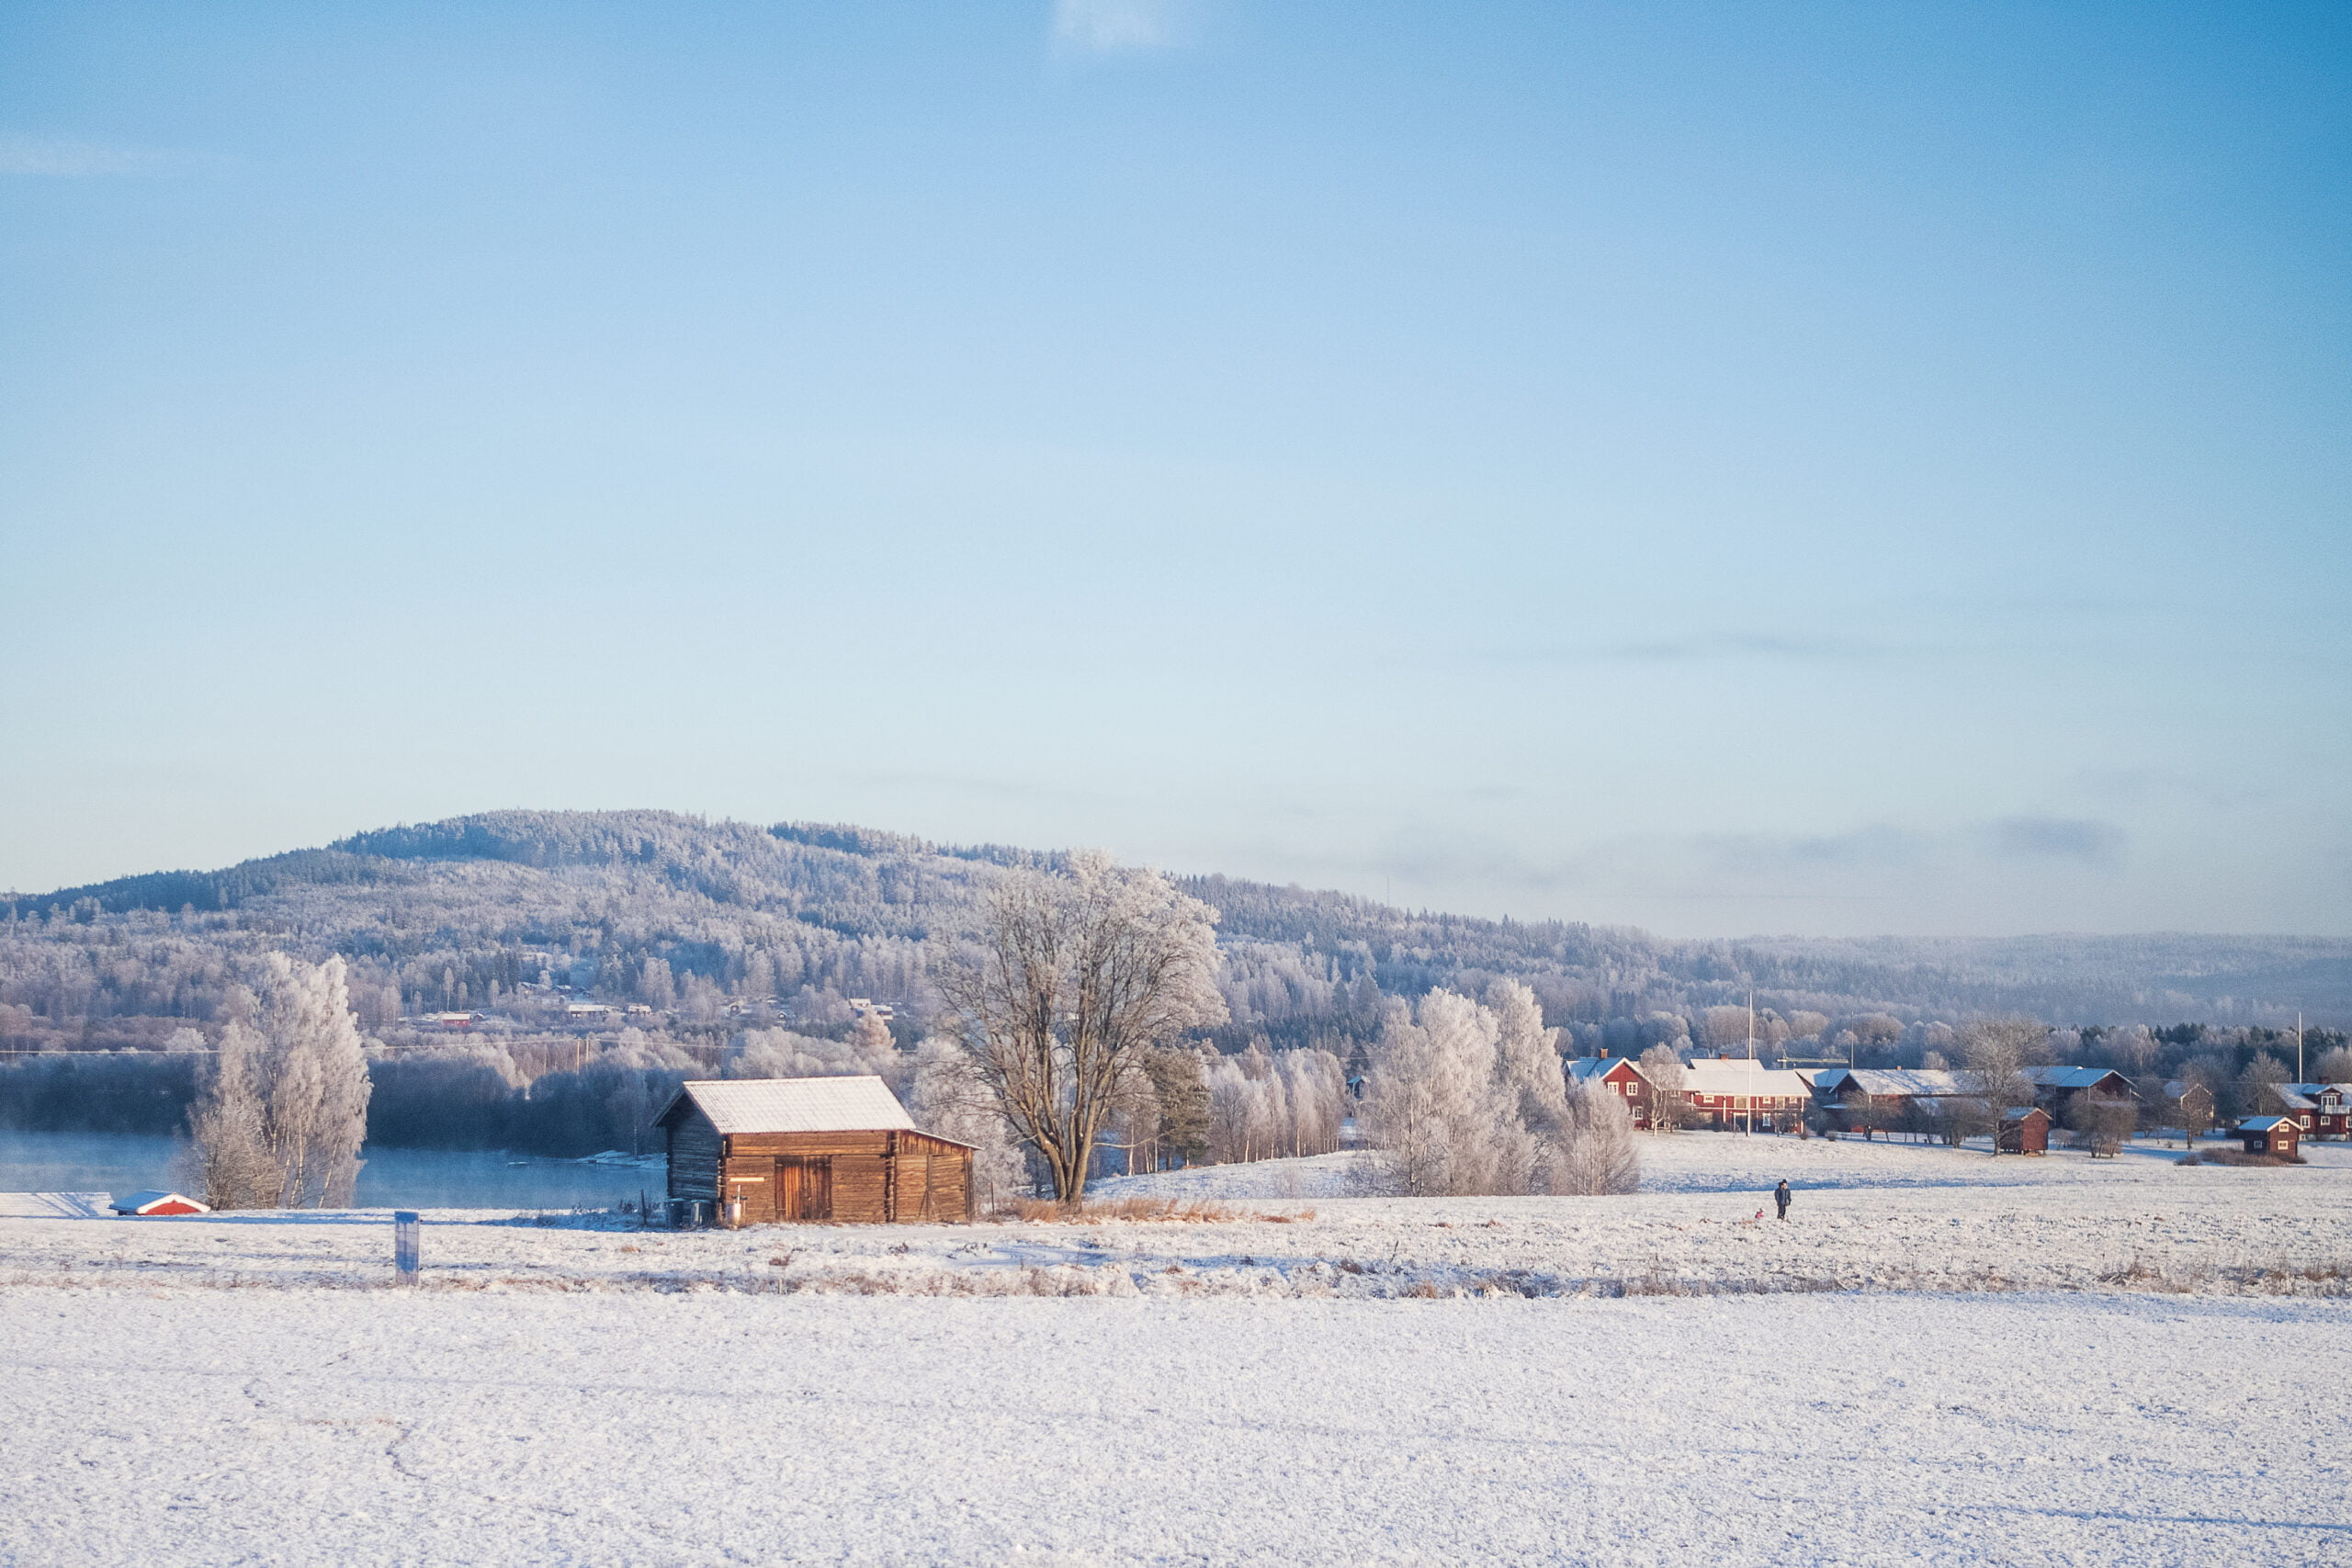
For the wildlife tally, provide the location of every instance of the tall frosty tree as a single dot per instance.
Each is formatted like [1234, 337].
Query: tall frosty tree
[1072, 979]
[1446, 1123]
[283, 1112]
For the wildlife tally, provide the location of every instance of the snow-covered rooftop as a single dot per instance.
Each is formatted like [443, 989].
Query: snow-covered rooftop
[1879, 1082]
[1737, 1074]
[2065, 1078]
[861, 1105]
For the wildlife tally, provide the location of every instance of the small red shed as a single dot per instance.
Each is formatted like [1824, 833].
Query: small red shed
[2271, 1136]
[2024, 1130]
[144, 1203]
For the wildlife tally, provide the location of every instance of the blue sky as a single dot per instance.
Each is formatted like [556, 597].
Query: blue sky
[1727, 469]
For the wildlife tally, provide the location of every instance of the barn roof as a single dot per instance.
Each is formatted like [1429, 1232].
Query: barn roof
[1888, 1082]
[1739, 1075]
[2263, 1124]
[863, 1104]
[2068, 1077]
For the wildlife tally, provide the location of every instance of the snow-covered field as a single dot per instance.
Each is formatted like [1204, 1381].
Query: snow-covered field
[1941, 1357]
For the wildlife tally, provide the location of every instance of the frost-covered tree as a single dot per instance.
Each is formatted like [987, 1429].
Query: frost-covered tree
[228, 1128]
[1443, 1120]
[1594, 1155]
[1669, 1107]
[281, 1116]
[1072, 977]
[949, 1098]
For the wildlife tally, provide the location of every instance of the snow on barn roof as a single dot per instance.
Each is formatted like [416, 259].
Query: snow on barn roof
[2066, 1078]
[1888, 1082]
[2263, 1124]
[1739, 1075]
[1584, 1069]
[863, 1104]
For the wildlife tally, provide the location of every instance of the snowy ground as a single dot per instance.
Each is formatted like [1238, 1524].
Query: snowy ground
[220, 1427]
[2118, 1361]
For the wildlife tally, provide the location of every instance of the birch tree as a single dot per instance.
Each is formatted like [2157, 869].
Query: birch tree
[284, 1110]
[1072, 978]
[1594, 1155]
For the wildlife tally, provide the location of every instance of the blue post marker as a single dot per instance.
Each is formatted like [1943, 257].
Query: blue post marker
[404, 1245]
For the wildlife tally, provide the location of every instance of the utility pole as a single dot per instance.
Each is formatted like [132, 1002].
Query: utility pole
[2299, 1045]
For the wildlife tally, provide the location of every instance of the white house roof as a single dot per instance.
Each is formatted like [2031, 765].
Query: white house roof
[2293, 1100]
[1585, 1069]
[2263, 1124]
[1738, 1075]
[863, 1104]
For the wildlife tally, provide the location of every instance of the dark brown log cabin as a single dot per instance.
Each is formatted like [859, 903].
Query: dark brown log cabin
[813, 1149]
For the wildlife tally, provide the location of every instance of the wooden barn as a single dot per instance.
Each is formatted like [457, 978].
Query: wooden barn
[2024, 1130]
[2271, 1136]
[838, 1149]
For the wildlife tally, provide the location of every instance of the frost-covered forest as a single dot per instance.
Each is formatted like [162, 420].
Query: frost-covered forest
[603, 951]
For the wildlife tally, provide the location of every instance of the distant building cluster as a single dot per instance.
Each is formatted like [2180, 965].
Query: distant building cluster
[1730, 1094]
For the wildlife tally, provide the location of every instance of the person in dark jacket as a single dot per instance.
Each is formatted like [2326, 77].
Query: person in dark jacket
[1780, 1196]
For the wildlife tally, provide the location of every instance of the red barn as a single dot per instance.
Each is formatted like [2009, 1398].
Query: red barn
[152, 1203]
[2024, 1130]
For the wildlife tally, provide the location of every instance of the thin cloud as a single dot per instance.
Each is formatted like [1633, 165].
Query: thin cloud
[1693, 650]
[2057, 838]
[1095, 27]
[52, 158]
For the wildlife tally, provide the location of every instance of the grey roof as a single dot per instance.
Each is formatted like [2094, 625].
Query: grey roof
[863, 1104]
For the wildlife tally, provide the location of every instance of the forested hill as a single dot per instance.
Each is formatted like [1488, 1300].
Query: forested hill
[701, 920]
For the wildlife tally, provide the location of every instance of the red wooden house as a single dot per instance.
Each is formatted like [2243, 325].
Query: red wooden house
[2271, 1136]
[1736, 1093]
[2319, 1110]
[1619, 1076]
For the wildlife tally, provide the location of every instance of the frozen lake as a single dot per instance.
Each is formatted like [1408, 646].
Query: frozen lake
[408, 1179]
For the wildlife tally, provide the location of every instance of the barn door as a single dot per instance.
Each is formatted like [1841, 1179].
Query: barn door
[804, 1188]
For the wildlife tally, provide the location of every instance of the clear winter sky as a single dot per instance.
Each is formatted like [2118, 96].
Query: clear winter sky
[1724, 467]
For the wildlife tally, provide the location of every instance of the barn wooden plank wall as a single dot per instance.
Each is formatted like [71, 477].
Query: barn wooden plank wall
[876, 1178]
